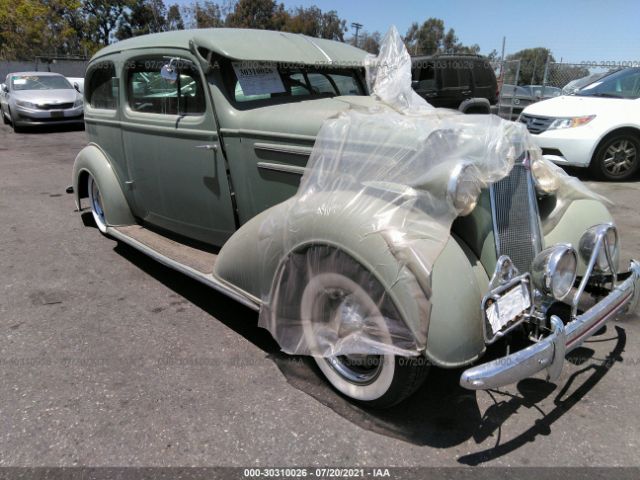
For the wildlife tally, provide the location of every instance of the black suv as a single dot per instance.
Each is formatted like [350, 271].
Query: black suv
[464, 82]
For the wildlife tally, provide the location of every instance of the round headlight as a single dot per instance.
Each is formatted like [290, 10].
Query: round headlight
[553, 271]
[464, 188]
[545, 175]
[588, 243]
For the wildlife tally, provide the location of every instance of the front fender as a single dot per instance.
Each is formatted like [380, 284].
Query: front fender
[92, 161]
[252, 256]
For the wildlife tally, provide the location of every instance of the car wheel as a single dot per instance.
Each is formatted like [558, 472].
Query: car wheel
[617, 158]
[95, 201]
[5, 120]
[379, 381]
[16, 128]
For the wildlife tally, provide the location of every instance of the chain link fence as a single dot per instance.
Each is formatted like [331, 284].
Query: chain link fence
[524, 83]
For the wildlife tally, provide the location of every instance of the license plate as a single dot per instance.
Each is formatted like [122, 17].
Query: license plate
[508, 307]
[57, 114]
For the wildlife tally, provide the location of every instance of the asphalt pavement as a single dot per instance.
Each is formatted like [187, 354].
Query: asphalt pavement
[110, 359]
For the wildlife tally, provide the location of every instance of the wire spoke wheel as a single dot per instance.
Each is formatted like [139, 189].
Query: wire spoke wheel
[95, 201]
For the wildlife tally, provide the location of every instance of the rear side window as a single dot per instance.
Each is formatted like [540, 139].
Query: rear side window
[102, 88]
[483, 74]
[148, 91]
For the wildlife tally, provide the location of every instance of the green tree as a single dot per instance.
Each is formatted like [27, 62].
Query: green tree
[204, 15]
[174, 18]
[104, 16]
[368, 41]
[144, 16]
[313, 22]
[261, 14]
[425, 39]
[430, 38]
[29, 28]
[532, 64]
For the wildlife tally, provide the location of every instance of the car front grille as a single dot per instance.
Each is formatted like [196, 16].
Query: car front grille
[536, 125]
[55, 106]
[515, 218]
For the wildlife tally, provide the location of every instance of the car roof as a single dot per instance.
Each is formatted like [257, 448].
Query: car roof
[248, 44]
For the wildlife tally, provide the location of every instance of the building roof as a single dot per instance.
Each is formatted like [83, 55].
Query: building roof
[248, 44]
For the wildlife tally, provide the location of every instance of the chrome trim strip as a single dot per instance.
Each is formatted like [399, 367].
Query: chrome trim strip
[549, 352]
[209, 280]
[282, 167]
[264, 133]
[276, 147]
[536, 223]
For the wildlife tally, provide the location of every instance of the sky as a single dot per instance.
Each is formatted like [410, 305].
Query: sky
[574, 30]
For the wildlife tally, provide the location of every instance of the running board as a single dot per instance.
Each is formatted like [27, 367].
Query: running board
[190, 261]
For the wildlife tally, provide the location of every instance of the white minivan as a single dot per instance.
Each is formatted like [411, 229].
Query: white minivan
[597, 127]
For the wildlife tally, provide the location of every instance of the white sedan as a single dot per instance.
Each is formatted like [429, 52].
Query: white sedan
[598, 127]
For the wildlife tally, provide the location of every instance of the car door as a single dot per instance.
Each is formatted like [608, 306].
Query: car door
[176, 169]
[484, 81]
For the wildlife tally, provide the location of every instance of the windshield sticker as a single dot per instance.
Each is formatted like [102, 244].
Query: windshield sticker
[258, 79]
[19, 81]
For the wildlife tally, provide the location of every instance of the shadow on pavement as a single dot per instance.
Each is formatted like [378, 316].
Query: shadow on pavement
[440, 414]
[53, 128]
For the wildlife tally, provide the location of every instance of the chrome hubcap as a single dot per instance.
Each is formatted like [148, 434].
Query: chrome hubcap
[96, 200]
[619, 157]
[349, 317]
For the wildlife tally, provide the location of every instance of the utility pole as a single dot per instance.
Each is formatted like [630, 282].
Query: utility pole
[357, 26]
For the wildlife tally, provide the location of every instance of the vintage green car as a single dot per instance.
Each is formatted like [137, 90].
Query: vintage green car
[198, 143]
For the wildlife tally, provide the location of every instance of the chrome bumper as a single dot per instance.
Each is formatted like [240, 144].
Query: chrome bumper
[549, 352]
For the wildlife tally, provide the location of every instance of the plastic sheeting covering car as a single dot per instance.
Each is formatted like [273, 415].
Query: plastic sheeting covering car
[398, 175]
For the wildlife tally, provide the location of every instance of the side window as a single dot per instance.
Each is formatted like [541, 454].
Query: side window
[427, 78]
[321, 83]
[148, 91]
[464, 75]
[482, 73]
[449, 77]
[102, 89]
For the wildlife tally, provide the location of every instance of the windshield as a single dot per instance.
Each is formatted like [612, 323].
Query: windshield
[252, 81]
[39, 82]
[622, 84]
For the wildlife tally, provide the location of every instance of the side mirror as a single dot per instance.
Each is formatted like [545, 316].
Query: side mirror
[4, 87]
[77, 87]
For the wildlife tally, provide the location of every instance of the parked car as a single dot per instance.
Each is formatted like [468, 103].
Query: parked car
[575, 85]
[204, 180]
[514, 99]
[598, 127]
[542, 92]
[464, 82]
[39, 98]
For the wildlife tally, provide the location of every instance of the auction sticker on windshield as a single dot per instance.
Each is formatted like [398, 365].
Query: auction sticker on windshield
[258, 79]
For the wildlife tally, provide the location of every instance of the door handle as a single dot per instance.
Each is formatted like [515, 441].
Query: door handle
[208, 147]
